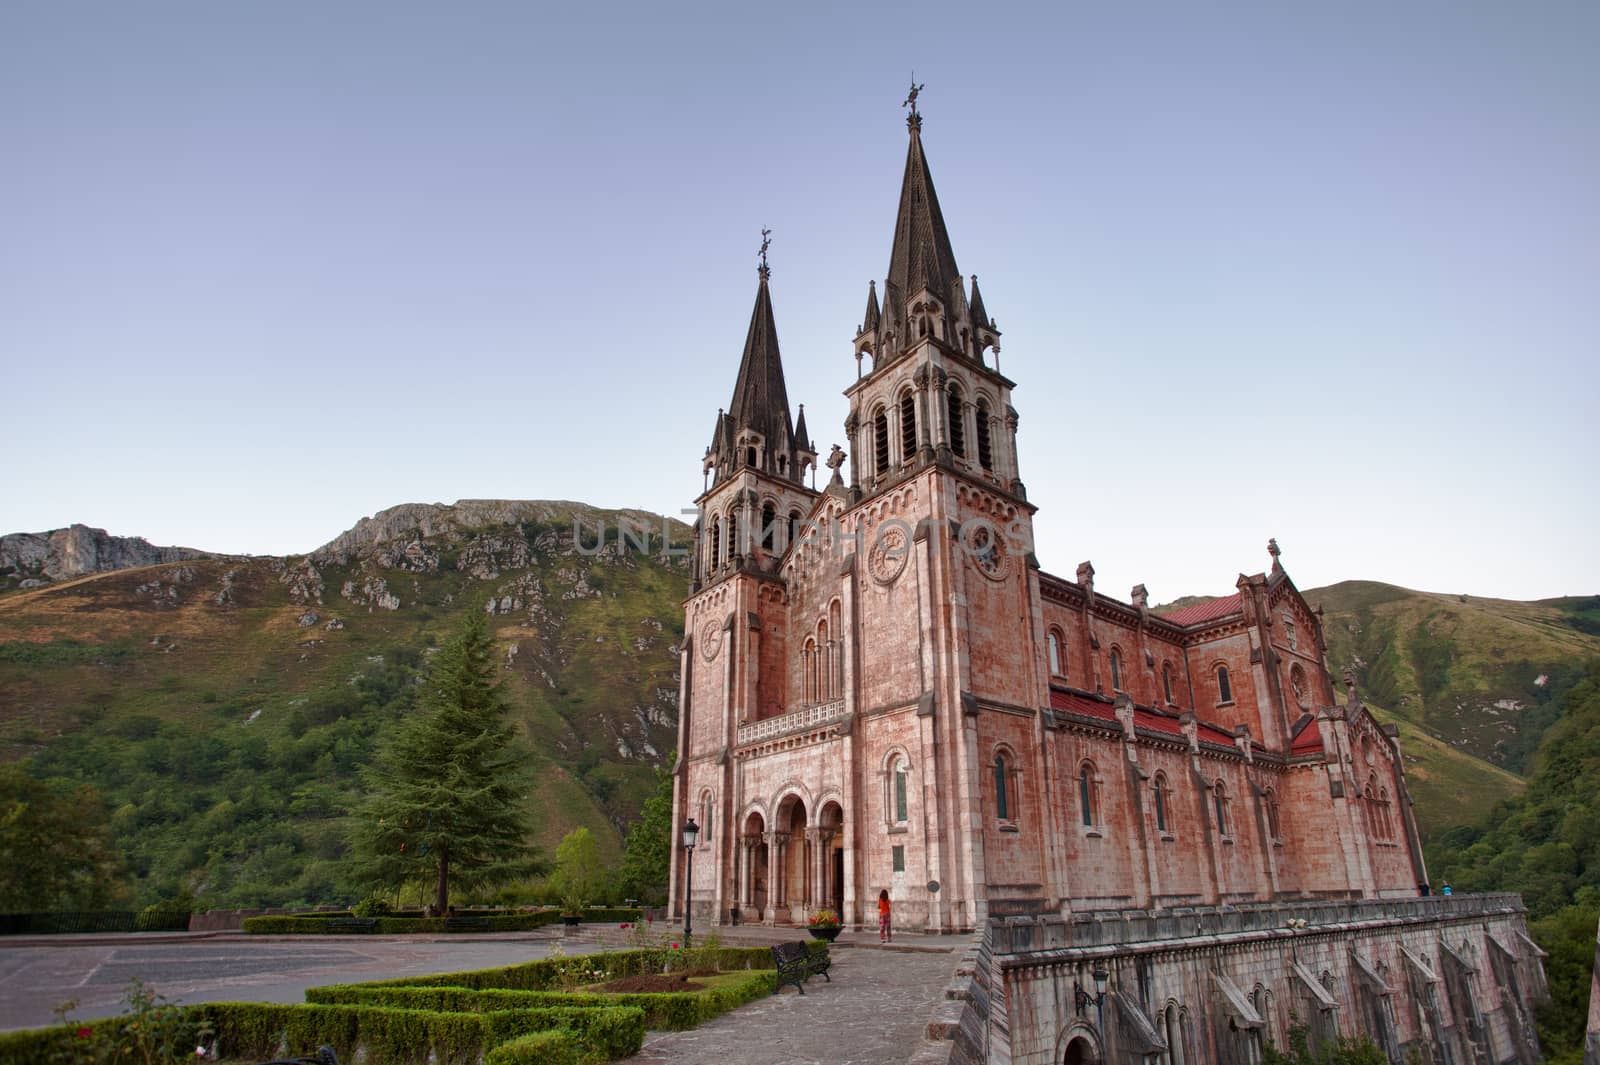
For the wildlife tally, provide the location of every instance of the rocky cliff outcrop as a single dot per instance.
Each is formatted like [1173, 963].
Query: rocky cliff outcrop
[78, 550]
[409, 523]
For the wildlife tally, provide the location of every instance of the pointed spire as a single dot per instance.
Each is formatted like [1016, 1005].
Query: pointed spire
[922, 257]
[760, 400]
[802, 442]
[980, 316]
[870, 321]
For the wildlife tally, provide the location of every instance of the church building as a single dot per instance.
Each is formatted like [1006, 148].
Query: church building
[882, 689]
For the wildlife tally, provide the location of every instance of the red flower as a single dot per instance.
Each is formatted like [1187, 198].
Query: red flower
[674, 946]
[85, 1032]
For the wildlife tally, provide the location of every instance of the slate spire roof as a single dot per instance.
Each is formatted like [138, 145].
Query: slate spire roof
[760, 400]
[922, 257]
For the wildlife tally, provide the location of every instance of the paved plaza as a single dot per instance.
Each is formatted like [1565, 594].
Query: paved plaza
[874, 1011]
[37, 976]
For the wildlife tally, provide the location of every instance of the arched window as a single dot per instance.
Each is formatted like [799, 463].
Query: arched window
[825, 662]
[1173, 1022]
[1160, 789]
[1383, 812]
[1219, 796]
[1274, 828]
[1166, 680]
[880, 442]
[1002, 798]
[908, 427]
[1224, 686]
[958, 427]
[794, 526]
[1086, 793]
[900, 784]
[716, 543]
[836, 678]
[1372, 805]
[769, 527]
[750, 455]
[985, 450]
[706, 809]
[1054, 642]
[808, 658]
[1116, 670]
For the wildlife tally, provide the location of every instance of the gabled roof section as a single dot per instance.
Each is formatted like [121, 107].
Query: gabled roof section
[922, 257]
[760, 400]
[1208, 611]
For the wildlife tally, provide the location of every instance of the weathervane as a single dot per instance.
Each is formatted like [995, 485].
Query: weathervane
[766, 242]
[911, 98]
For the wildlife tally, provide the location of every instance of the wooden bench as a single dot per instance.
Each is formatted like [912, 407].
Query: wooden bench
[466, 924]
[352, 924]
[796, 964]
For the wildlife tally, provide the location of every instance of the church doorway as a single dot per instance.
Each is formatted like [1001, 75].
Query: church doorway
[1081, 1051]
[830, 838]
[753, 900]
[791, 886]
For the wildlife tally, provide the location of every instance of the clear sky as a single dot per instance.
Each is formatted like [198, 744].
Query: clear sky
[1325, 272]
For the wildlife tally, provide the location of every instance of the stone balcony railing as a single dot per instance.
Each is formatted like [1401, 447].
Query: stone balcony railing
[1015, 935]
[801, 720]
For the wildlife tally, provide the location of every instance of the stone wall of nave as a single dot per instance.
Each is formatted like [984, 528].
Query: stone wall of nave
[1454, 980]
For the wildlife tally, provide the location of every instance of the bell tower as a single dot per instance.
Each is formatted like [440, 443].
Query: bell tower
[755, 494]
[929, 394]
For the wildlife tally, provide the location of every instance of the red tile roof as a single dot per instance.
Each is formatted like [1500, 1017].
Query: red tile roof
[1308, 742]
[1166, 724]
[1210, 610]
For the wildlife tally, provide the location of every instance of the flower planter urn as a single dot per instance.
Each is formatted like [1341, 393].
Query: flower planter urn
[829, 932]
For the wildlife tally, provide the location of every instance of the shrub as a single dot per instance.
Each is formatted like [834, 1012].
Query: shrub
[556, 1047]
[399, 924]
[373, 905]
[667, 1010]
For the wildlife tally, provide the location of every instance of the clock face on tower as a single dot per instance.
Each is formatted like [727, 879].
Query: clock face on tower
[987, 550]
[890, 549]
[710, 637]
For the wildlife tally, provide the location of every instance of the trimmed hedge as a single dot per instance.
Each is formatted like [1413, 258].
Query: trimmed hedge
[547, 973]
[58, 1043]
[558, 1047]
[666, 1010]
[317, 924]
[414, 1036]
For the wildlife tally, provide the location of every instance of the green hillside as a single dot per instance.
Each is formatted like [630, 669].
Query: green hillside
[222, 707]
[1479, 674]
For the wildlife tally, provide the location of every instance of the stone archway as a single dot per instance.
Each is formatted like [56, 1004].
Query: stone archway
[1081, 1050]
[829, 836]
[790, 889]
[753, 890]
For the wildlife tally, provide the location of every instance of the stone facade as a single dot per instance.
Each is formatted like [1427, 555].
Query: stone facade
[882, 689]
[1441, 980]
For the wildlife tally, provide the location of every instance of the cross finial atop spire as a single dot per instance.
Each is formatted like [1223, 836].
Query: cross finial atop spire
[914, 120]
[766, 242]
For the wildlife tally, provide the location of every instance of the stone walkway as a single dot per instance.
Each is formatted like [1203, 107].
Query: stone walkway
[875, 1012]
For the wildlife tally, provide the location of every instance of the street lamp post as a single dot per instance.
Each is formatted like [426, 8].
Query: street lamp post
[1082, 998]
[691, 833]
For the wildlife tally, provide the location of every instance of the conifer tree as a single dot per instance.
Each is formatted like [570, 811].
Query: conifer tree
[448, 794]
